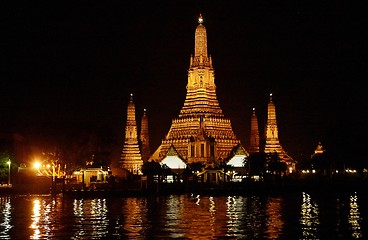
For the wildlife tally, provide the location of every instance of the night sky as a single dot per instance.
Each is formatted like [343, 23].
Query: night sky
[69, 65]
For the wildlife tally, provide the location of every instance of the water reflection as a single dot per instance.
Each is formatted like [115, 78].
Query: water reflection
[205, 217]
[354, 217]
[5, 215]
[309, 219]
[134, 220]
[240, 216]
[36, 219]
[184, 217]
[275, 222]
[90, 218]
[200, 220]
[254, 216]
[232, 213]
[43, 218]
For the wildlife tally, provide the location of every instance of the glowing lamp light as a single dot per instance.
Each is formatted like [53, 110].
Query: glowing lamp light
[200, 19]
[37, 165]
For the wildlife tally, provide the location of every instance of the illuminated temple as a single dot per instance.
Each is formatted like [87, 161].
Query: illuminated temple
[200, 133]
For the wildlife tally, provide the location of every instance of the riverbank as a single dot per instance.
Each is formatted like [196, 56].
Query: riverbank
[228, 188]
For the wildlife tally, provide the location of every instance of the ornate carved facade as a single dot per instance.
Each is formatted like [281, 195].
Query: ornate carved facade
[201, 133]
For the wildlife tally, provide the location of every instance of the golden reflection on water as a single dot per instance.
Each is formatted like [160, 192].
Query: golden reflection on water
[5, 215]
[275, 222]
[309, 217]
[197, 219]
[231, 217]
[232, 214]
[235, 216]
[174, 209]
[36, 219]
[135, 213]
[354, 217]
[90, 218]
[42, 218]
[180, 217]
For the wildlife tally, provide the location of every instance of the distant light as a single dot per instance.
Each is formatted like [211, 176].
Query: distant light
[200, 19]
[8, 162]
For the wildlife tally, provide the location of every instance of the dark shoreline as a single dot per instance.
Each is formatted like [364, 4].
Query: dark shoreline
[230, 189]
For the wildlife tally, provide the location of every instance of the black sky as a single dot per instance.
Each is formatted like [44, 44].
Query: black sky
[72, 64]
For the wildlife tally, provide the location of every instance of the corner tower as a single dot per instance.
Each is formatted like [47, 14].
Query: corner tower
[201, 133]
[272, 138]
[272, 133]
[131, 158]
[254, 133]
[144, 137]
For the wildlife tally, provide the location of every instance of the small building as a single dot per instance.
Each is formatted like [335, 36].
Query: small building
[213, 176]
[91, 175]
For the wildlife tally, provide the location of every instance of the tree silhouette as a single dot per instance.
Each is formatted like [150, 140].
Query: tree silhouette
[255, 163]
[274, 164]
[151, 168]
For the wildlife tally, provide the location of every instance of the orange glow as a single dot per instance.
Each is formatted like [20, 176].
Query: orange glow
[37, 165]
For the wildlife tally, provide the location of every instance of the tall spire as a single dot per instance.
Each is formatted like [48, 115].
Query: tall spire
[201, 133]
[144, 137]
[200, 41]
[254, 133]
[272, 138]
[201, 89]
[131, 158]
[272, 134]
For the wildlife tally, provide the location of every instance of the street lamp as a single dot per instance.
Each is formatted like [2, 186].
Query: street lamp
[9, 163]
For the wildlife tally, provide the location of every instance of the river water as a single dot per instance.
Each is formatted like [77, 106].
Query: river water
[297, 215]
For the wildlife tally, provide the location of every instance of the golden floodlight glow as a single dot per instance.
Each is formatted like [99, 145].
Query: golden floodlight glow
[37, 165]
